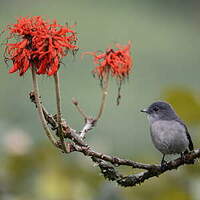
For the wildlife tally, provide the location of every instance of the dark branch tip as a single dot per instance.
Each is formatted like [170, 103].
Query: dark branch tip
[74, 101]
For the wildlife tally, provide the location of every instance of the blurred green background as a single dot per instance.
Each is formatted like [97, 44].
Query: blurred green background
[166, 40]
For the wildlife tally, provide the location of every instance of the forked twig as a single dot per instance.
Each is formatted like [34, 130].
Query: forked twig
[89, 122]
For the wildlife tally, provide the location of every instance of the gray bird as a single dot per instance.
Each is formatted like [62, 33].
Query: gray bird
[168, 132]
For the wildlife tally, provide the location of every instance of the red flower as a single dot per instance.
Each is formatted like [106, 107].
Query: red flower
[42, 45]
[118, 62]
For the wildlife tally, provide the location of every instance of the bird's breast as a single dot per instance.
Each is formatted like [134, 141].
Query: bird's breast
[169, 137]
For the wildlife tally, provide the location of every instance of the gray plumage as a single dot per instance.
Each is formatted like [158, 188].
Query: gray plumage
[169, 134]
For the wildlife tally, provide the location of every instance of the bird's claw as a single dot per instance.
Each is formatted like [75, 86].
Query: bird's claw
[183, 157]
[163, 165]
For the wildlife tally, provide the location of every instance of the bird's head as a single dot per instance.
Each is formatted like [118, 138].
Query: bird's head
[160, 110]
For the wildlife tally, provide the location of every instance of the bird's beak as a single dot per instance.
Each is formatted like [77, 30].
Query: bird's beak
[144, 110]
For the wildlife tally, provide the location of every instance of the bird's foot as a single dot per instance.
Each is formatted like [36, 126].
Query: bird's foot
[163, 164]
[186, 152]
[183, 156]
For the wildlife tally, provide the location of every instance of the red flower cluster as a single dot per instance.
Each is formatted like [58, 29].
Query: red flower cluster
[42, 44]
[118, 62]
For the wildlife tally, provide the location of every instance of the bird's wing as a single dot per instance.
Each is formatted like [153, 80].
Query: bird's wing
[191, 146]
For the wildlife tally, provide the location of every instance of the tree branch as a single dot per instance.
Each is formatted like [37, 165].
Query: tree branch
[89, 122]
[109, 170]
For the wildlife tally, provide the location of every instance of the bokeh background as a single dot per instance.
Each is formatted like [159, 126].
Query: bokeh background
[166, 41]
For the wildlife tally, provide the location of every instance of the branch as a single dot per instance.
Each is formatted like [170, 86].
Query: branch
[109, 170]
[68, 132]
[79, 109]
[139, 178]
[112, 174]
[89, 122]
[48, 117]
[72, 134]
[116, 161]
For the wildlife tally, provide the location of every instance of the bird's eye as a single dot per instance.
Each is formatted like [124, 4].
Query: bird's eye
[156, 109]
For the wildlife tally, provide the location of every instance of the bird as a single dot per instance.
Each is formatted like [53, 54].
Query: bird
[168, 132]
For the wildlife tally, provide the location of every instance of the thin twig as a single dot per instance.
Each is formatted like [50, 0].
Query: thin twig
[90, 122]
[79, 109]
[39, 109]
[104, 94]
[58, 104]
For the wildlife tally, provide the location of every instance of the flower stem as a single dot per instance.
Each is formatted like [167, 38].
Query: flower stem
[39, 109]
[59, 115]
[104, 94]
